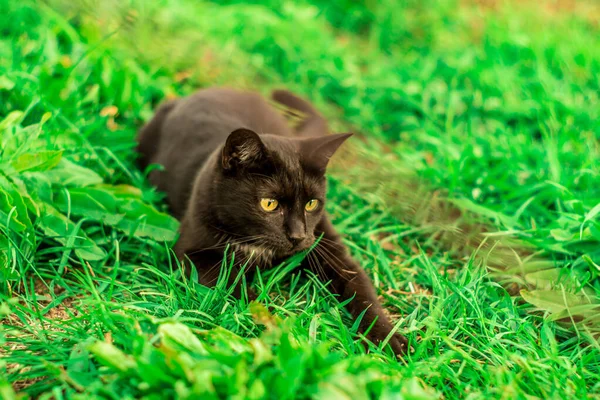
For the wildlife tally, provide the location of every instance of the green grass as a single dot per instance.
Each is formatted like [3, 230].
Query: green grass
[471, 197]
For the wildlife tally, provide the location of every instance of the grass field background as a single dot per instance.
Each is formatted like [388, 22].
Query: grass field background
[471, 195]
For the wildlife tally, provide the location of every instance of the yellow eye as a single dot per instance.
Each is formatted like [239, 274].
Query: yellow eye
[312, 205]
[269, 204]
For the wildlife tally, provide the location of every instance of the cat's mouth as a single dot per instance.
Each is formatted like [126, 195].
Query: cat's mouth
[273, 249]
[298, 248]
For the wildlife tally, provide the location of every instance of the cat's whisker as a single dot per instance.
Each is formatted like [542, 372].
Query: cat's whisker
[331, 263]
[310, 262]
[222, 243]
[226, 232]
[318, 269]
[325, 240]
[311, 265]
[209, 272]
[331, 253]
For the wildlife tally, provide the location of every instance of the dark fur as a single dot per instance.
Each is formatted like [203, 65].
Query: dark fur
[216, 171]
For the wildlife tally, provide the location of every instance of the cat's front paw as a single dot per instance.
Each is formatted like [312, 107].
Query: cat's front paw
[398, 343]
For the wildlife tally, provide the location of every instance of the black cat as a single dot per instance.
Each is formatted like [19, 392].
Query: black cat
[235, 172]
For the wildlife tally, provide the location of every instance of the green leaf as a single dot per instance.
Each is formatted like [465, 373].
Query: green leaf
[590, 216]
[593, 213]
[554, 301]
[5, 83]
[562, 235]
[40, 161]
[144, 220]
[594, 268]
[176, 335]
[67, 173]
[582, 313]
[9, 214]
[111, 356]
[78, 365]
[122, 191]
[18, 200]
[62, 229]
[119, 206]
[21, 188]
[543, 279]
[89, 202]
[12, 119]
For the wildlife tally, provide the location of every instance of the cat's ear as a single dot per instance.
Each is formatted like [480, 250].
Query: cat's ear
[317, 151]
[242, 149]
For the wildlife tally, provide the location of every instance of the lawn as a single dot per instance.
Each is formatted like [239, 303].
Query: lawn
[470, 194]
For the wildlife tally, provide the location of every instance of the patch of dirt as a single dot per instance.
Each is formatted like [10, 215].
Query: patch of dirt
[61, 312]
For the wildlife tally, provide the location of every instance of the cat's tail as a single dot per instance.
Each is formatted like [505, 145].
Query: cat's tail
[311, 123]
[149, 136]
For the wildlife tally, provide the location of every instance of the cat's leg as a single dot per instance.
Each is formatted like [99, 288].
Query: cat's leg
[208, 262]
[349, 280]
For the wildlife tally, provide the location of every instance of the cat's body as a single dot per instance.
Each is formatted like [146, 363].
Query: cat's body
[236, 172]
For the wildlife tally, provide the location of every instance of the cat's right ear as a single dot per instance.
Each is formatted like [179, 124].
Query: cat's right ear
[243, 149]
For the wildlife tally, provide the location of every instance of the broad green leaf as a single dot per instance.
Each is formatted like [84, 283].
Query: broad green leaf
[27, 198]
[4, 251]
[145, 221]
[581, 313]
[176, 335]
[5, 83]
[89, 202]
[111, 356]
[119, 206]
[593, 213]
[590, 216]
[21, 213]
[550, 278]
[61, 229]
[11, 120]
[562, 235]
[531, 266]
[40, 161]
[78, 365]
[67, 173]
[554, 301]
[121, 191]
[9, 214]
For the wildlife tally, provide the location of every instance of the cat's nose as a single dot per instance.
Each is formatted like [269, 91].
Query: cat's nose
[296, 231]
[296, 238]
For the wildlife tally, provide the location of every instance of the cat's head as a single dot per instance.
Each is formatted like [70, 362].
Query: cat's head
[269, 193]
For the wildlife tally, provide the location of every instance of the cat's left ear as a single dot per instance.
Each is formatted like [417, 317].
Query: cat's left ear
[243, 149]
[317, 151]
